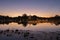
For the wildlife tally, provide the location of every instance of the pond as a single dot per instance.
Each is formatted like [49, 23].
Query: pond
[37, 27]
[39, 31]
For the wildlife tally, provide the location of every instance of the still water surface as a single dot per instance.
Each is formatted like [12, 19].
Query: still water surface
[37, 27]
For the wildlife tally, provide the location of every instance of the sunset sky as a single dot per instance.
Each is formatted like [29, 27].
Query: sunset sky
[44, 8]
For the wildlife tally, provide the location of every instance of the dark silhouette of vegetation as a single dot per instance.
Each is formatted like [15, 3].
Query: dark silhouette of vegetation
[24, 19]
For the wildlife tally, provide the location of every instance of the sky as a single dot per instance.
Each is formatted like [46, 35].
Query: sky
[41, 8]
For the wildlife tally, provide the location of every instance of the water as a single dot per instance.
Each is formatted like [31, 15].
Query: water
[37, 27]
[39, 31]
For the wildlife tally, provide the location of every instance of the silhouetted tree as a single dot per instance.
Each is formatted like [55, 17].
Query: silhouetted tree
[57, 16]
[34, 17]
[24, 18]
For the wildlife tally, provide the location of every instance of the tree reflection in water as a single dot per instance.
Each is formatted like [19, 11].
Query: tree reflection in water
[27, 34]
[34, 20]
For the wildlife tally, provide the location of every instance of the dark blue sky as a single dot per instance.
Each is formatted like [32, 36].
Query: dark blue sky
[31, 7]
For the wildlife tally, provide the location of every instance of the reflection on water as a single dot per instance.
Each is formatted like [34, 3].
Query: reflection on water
[30, 23]
[33, 25]
[42, 29]
[25, 23]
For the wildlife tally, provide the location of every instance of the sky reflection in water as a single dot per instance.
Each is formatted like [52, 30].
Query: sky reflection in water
[38, 27]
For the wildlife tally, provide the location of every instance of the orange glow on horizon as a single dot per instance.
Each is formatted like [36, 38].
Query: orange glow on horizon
[15, 13]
